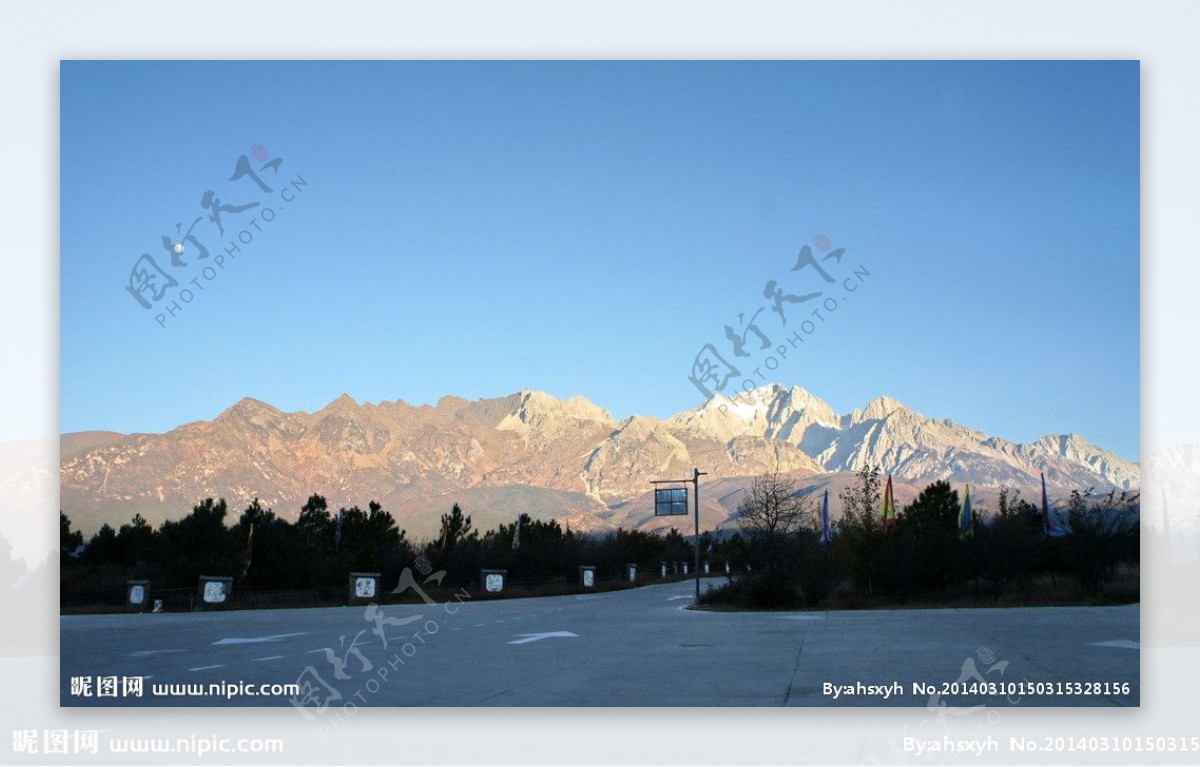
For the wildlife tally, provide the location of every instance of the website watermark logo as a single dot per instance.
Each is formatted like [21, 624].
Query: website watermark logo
[962, 720]
[753, 344]
[353, 676]
[203, 251]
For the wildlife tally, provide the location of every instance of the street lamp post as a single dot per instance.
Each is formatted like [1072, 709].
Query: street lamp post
[670, 505]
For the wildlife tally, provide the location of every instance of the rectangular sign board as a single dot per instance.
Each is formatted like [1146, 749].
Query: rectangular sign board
[670, 501]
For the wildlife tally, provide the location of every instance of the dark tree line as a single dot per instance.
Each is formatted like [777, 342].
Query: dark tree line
[922, 552]
[264, 552]
[779, 553]
[260, 550]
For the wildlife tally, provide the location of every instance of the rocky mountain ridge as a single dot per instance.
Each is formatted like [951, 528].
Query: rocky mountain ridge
[532, 452]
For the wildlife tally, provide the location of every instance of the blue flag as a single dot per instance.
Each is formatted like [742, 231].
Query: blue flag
[826, 537]
[249, 550]
[1052, 530]
[964, 519]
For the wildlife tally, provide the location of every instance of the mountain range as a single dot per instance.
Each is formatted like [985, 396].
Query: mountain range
[567, 459]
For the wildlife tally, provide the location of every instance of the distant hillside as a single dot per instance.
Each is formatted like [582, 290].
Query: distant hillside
[531, 452]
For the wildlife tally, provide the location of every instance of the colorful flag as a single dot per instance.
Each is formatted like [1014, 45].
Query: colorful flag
[337, 532]
[517, 533]
[964, 519]
[826, 537]
[249, 549]
[888, 517]
[1048, 524]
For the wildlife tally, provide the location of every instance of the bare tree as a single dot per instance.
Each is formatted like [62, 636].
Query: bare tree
[773, 511]
[859, 499]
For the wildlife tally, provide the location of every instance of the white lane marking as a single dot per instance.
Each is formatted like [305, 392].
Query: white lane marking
[801, 617]
[1123, 644]
[269, 657]
[146, 653]
[544, 635]
[257, 640]
[457, 628]
[206, 668]
[319, 649]
[477, 625]
[403, 621]
[672, 599]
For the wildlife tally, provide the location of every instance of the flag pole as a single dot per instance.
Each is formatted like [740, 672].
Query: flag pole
[696, 474]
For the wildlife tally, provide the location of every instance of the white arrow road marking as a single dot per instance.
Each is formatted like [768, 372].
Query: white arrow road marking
[1123, 644]
[257, 640]
[544, 635]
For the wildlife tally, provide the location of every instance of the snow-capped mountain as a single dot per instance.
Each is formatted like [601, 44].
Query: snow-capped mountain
[905, 443]
[533, 452]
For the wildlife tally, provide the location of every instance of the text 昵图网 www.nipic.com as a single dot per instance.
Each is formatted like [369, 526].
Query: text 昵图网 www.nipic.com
[63, 741]
[134, 687]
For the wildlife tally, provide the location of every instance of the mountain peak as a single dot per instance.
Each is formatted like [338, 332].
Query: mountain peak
[1064, 444]
[765, 392]
[746, 404]
[342, 403]
[878, 408]
[534, 407]
[249, 406]
[769, 411]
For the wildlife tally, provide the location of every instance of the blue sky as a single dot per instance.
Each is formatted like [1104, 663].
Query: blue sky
[587, 228]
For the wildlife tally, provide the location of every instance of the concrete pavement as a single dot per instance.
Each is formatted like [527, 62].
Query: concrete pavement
[638, 647]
